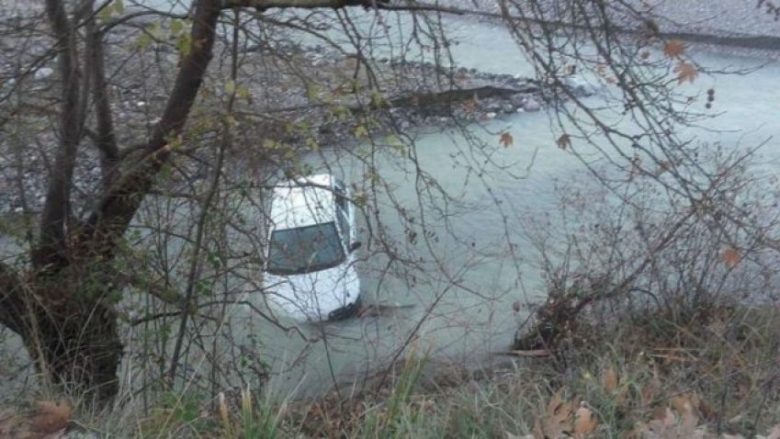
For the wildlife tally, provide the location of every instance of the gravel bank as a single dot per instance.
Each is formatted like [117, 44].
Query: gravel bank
[718, 17]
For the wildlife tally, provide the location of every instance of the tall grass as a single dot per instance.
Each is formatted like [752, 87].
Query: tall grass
[650, 376]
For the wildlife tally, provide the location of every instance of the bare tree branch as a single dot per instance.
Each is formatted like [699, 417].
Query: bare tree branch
[119, 204]
[51, 249]
[303, 4]
[106, 137]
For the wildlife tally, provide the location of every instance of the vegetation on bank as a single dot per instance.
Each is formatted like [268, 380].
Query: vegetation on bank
[710, 372]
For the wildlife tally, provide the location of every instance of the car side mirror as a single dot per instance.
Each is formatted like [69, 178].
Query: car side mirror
[354, 246]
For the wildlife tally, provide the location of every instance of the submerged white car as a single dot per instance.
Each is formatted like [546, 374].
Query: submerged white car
[310, 264]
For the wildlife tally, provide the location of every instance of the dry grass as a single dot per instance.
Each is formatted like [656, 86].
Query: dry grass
[709, 373]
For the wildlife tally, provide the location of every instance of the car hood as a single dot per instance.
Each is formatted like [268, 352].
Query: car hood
[312, 296]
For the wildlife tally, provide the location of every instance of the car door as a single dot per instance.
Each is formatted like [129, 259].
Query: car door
[345, 220]
[344, 213]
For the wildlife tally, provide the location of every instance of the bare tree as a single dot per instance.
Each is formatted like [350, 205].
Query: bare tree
[61, 299]
[60, 303]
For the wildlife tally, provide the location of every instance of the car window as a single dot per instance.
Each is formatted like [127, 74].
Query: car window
[305, 249]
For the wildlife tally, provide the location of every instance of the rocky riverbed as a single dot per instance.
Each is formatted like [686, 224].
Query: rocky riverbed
[293, 94]
[288, 94]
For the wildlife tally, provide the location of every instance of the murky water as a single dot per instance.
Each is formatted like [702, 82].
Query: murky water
[475, 260]
[483, 247]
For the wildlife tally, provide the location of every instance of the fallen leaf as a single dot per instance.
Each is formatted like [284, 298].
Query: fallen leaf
[686, 72]
[731, 257]
[538, 433]
[506, 139]
[687, 427]
[609, 379]
[584, 422]
[662, 420]
[674, 48]
[51, 417]
[558, 417]
[564, 141]
[685, 403]
[650, 391]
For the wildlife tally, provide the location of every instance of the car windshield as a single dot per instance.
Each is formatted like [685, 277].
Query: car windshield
[305, 249]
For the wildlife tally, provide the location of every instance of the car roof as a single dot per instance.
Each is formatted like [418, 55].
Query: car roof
[303, 201]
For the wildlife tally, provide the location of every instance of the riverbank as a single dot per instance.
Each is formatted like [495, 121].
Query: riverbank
[316, 98]
[284, 110]
[703, 375]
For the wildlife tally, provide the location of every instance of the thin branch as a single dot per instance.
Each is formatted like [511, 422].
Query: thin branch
[51, 249]
[105, 138]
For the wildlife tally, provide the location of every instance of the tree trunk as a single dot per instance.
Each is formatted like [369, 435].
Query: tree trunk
[76, 343]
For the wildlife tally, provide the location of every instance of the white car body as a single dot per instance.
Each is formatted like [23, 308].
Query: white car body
[310, 262]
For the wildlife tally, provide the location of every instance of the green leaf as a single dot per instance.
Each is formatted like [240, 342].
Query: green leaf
[144, 41]
[312, 92]
[312, 144]
[177, 26]
[105, 14]
[184, 44]
[230, 87]
[377, 100]
[361, 131]
[243, 92]
[155, 30]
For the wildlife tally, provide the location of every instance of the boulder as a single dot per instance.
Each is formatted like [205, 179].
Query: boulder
[531, 104]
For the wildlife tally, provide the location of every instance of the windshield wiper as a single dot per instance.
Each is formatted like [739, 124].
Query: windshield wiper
[303, 270]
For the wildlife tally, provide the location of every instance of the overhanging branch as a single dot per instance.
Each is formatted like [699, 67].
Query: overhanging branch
[386, 5]
[303, 4]
[56, 209]
[120, 203]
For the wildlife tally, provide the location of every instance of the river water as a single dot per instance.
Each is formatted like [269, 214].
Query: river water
[487, 258]
[475, 261]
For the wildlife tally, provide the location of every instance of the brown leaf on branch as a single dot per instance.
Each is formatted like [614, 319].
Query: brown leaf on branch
[686, 72]
[506, 139]
[564, 141]
[731, 257]
[674, 49]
